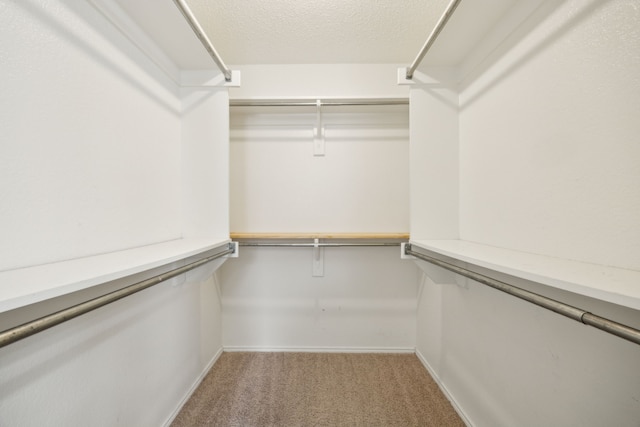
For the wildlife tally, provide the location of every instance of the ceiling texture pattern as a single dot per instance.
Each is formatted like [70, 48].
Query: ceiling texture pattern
[317, 31]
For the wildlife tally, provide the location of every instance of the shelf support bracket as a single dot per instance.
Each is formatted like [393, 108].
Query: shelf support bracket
[318, 132]
[318, 259]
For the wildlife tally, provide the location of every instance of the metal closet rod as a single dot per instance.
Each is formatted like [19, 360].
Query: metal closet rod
[432, 37]
[578, 314]
[313, 102]
[202, 36]
[38, 325]
[314, 245]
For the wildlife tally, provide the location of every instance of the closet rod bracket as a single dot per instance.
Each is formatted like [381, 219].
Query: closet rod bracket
[318, 259]
[318, 132]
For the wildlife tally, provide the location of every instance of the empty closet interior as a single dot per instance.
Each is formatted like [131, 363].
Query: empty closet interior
[170, 193]
[333, 176]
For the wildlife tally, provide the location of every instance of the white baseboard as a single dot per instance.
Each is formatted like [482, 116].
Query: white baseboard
[193, 387]
[321, 349]
[444, 389]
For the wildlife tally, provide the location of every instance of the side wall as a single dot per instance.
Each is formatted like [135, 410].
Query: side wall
[549, 139]
[132, 362]
[205, 162]
[91, 138]
[548, 164]
[91, 162]
[507, 362]
[434, 155]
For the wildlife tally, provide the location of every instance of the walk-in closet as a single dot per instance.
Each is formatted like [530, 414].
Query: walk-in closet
[296, 213]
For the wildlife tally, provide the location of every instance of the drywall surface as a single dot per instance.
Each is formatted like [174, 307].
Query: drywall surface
[279, 183]
[359, 185]
[548, 164]
[507, 362]
[205, 162]
[365, 301]
[90, 149]
[434, 156]
[91, 162]
[549, 138]
[129, 363]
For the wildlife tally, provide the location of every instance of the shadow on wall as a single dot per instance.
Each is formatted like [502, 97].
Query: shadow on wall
[86, 13]
[29, 361]
[514, 39]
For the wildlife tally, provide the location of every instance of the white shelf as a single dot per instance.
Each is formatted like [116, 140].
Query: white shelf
[616, 285]
[25, 286]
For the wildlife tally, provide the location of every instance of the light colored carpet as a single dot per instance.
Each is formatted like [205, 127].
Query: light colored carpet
[317, 389]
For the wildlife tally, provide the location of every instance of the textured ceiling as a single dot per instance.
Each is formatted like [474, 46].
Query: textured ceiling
[317, 31]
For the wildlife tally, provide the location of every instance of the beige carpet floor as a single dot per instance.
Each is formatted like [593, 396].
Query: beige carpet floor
[317, 389]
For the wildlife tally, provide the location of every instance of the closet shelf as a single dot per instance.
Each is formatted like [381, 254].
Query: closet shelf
[333, 236]
[24, 286]
[616, 285]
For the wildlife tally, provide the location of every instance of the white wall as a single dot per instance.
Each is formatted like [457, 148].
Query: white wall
[507, 362]
[366, 298]
[82, 116]
[132, 362]
[360, 185]
[434, 155]
[549, 139]
[205, 162]
[365, 301]
[92, 161]
[548, 164]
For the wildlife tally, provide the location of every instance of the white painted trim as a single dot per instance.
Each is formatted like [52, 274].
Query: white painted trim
[130, 29]
[444, 390]
[321, 349]
[193, 388]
